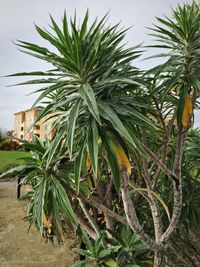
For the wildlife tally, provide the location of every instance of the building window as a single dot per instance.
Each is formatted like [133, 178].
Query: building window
[22, 137]
[37, 127]
[37, 135]
[22, 128]
[23, 117]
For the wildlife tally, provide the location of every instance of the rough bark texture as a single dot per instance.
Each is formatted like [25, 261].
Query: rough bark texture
[177, 187]
[152, 203]
[85, 226]
[90, 219]
[107, 199]
[159, 258]
[131, 215]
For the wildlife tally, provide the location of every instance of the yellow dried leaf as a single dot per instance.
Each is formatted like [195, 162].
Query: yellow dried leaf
[187, 111]
[88, 164]
[189, 105]
[123, 160]
[47, 223]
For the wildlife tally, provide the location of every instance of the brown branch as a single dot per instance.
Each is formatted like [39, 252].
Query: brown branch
[108, 198]
[162, 166]
[109, 188]
[89, 218]
[92, 201]
[84, 225]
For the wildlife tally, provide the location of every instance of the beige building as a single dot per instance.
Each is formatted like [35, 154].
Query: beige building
[23, 128]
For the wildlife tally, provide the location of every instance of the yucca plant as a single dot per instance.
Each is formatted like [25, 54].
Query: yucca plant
[49, 206]
[89, 86]
[116, 124]
[88, 93]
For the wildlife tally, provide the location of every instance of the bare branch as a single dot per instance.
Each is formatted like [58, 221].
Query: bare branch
[162, 166]
[92, 201]
[131, 215]
[84, 225]
[87, 215]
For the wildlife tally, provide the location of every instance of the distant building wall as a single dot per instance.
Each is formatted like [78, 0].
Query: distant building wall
[46, 128]
[23, 128]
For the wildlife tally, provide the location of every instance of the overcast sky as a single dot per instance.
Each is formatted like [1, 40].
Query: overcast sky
[17, 18]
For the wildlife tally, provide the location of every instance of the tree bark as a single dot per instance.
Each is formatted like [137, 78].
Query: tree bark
[177, 186]
[88, 230]
[152, 203]
[131, 215]
[92, 201]
[159, 258]
[87, 215]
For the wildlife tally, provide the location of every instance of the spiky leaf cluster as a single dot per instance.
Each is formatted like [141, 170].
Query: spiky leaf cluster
[88, 92]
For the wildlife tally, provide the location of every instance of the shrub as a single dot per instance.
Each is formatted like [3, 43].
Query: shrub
[8, 145]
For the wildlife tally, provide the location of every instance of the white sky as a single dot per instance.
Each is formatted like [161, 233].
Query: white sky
[17, 18]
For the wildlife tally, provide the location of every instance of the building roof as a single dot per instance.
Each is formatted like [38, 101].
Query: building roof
[23, 111]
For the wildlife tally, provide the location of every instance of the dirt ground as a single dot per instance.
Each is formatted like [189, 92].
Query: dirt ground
[19, 249]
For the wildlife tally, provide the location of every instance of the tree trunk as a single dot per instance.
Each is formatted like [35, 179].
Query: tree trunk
[131, 215]
[159, 258]
[181, 136]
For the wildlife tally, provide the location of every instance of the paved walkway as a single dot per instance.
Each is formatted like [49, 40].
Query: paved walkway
[19, 249]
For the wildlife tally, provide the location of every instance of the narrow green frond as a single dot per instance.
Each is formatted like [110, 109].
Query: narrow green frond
[92, 141]
[112, 159]
[87, 94]
[110, 115]
[71, 125]
[78, 165]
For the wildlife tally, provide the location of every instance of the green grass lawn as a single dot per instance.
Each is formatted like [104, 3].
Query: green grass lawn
[9, 158]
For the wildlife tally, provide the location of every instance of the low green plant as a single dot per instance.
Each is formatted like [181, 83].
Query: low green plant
[128, 249]
[123, 249]
[49, 206]
[95, 253]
